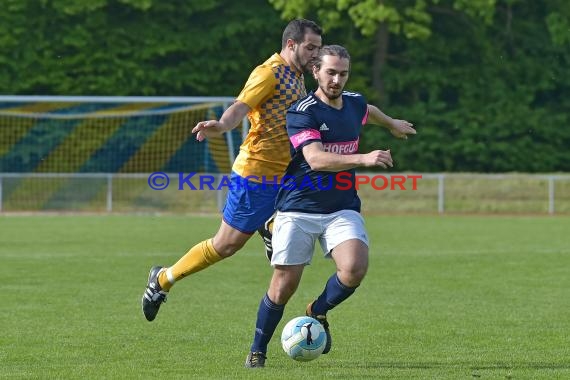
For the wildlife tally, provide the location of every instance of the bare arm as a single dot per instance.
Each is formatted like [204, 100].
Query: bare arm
[319, 160]
[229, 120]
[399, 128]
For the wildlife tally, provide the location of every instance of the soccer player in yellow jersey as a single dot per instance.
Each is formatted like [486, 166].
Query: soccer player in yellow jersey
[270, 90]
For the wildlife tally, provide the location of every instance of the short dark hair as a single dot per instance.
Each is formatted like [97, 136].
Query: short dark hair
[297, 29]
[334, 50]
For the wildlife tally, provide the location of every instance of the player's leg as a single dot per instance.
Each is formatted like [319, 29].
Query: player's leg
[284, 282]
[248, 206]
[351, 259]
[294, 246]
[246, 209]
[225, 243]
[346, 241]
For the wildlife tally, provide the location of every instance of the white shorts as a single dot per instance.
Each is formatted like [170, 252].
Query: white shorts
[295, 234]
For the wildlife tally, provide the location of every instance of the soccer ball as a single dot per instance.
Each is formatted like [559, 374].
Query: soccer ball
[303, 339]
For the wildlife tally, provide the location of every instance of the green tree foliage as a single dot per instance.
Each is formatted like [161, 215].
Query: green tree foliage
[133, 47]
[488, 97]
[483, 80]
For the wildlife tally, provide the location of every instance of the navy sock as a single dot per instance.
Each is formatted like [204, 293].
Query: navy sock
[335, 292]
[268, 316]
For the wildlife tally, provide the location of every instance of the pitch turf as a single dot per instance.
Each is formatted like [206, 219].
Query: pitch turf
[451, 297]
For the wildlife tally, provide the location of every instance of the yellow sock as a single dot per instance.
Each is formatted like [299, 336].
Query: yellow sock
[199, 257]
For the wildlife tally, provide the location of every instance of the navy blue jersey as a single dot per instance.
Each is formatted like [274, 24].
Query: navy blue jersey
[310, 120]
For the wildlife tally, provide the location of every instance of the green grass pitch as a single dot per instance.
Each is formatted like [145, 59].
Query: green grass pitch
[446, 297]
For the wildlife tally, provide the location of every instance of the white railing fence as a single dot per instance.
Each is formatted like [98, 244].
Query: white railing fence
[380, 193]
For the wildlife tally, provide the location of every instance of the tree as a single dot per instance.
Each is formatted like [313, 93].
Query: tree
[483, 80]
[378, 19]
[133, 47]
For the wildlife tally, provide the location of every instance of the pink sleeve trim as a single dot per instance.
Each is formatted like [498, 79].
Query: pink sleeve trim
[365, 118]
[301, 137]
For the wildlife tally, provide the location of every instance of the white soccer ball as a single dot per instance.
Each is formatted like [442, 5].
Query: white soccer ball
[303, 339]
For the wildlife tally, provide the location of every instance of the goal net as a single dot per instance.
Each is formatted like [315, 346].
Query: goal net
[96, 153]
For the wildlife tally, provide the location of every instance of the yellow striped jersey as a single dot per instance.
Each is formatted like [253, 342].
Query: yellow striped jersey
[271, 89]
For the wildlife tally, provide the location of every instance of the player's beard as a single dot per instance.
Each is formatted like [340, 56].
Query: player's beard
[304, 67]
[332, 95]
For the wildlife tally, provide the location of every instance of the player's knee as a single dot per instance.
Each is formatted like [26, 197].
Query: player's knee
[282, 287]
[281, 295]
[228, 248]
[353, 276]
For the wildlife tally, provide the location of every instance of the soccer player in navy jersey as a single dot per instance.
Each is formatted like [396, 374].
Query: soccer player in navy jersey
[324, 130]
